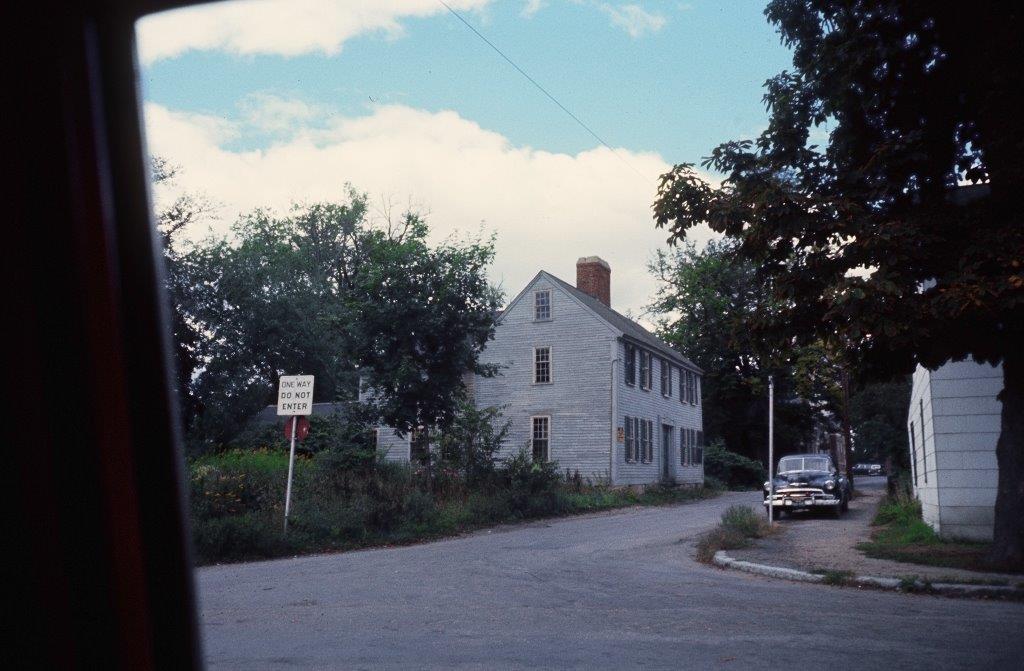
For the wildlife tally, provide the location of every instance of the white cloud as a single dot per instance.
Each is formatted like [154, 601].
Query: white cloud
[532, 7]
[282, 27]
[634, 19]
[273, 114]
[547, 208]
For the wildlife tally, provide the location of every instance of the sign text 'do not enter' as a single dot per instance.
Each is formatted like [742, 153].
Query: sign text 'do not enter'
[295, 395]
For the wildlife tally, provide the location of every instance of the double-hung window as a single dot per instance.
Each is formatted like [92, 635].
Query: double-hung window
[630, 365]
[541, 438]
[684, 447]
[542, 305]
[666, 378]
[691, 388]
[646, 442]
[645, 370]
[541, 365]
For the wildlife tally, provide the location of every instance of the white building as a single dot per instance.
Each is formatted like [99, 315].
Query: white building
[585, 386]
[953, 425]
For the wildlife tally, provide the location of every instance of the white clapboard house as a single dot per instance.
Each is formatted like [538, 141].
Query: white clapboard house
[953, 425]
[586, 386]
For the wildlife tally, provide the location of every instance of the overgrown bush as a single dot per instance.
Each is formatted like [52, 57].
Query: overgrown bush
[735, 470]
[739, 525]
[341, 499]
[470, 444]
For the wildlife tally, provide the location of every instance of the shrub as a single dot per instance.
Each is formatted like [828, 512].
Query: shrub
[719, 538]
[746, 521]
[733, 469]
[470, 444]
[739, 525]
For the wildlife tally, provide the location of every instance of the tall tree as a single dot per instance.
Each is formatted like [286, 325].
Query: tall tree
[327, 292]
[173, 221]
[704, 301]
[878, 414]
[872, 241]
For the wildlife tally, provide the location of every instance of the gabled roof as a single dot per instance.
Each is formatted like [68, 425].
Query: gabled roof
[628, 328]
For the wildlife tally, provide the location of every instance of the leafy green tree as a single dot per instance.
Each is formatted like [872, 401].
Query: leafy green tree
[418, 318]
[870, 242]
[878, 413]
[326, 292]
[703, 304]
[172, 222]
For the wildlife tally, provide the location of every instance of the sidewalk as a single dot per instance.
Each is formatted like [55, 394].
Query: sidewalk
[817, 544]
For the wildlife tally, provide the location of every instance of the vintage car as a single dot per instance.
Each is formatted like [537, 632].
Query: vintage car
[808, 482]
[867, 469]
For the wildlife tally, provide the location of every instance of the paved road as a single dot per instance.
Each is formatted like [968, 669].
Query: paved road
[616, 590]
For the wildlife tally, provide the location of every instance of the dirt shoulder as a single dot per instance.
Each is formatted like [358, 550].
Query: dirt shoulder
[817, 543]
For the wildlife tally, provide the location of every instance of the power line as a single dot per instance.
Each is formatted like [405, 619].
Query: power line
[541, 88]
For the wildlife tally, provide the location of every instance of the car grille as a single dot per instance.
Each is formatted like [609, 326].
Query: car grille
[800, 494]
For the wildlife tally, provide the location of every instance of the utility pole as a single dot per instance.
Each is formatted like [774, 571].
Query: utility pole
[771, 450]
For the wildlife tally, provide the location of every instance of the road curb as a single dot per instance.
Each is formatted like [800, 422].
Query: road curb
[723, 560]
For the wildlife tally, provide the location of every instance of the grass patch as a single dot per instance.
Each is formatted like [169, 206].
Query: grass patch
[739, 525]
[833, 577]
[901, 535]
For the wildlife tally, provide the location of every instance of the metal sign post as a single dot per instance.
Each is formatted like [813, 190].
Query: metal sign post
[771, 450]
[294, 398]
[291, 468]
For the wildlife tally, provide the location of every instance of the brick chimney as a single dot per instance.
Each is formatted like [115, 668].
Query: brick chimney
[594, 277]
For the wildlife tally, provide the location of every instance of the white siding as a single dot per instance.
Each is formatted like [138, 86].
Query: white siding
[578, 399]
[958, 441]
[632, 401]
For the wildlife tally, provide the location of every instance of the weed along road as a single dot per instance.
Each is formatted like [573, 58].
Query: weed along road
[613, 590]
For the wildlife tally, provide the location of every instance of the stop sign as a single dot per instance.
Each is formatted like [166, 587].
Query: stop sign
[301, 428]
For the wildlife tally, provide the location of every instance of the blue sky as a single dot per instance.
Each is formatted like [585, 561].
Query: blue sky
[259, 101]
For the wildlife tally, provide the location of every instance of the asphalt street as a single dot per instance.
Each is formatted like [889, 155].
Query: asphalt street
[614, 590]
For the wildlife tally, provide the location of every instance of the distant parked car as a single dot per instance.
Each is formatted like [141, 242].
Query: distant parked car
[867, 469]
[808, 482]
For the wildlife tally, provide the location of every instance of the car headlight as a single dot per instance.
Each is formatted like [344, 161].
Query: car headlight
[830, 484]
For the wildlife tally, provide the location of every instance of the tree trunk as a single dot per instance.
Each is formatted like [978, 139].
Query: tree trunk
[1008, 546]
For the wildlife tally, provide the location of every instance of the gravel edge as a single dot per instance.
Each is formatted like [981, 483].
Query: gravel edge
[723, 560]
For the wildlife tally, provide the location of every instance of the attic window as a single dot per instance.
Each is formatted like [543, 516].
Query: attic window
[542, 305]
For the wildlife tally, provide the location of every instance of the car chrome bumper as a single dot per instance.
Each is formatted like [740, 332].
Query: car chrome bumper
[803, 503]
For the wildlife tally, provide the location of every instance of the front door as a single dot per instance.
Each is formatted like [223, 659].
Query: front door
[666, 450]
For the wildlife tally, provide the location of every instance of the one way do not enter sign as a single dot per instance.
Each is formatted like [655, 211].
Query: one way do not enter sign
[295, 395]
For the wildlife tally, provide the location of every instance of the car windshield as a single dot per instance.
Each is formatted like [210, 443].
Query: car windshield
[790, 464]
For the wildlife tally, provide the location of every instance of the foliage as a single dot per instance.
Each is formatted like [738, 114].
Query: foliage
[745, 520]
[878, 413]
[172, 222]
[237, 502]
[471, 442]
[739, 525]
[445, 307]
[871, 243]
[734, 470]
[320, 292]
[901, 535]
[703, 305]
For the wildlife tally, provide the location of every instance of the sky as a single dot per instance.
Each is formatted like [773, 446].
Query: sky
[272, 103]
